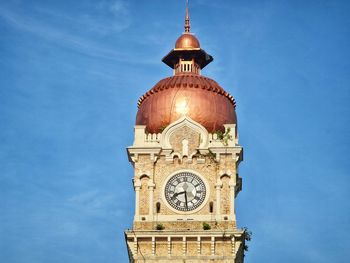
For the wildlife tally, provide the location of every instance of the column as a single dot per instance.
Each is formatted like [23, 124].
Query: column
[233, 247]
[198, 245]
[218, 186]
[151, 186]
[232, 185]
[137, 186]
[169, 246]
[184, 246]
[135, 247]
[213, 246]
[153, 246]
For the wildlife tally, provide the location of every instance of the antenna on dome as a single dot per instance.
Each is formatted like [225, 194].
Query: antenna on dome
[187, 19]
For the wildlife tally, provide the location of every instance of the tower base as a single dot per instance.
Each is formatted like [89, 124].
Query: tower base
[191, 246]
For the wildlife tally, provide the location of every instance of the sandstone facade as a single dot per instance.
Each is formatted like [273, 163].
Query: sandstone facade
[186, 146]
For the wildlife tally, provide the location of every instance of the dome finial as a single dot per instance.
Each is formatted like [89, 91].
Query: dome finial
[187, 19]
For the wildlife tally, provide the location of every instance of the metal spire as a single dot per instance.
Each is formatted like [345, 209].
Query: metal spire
[187, 19]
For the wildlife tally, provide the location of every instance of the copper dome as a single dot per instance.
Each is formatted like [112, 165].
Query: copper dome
[187, 41]
[198, 97]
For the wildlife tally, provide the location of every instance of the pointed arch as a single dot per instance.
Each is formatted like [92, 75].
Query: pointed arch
[182, 122]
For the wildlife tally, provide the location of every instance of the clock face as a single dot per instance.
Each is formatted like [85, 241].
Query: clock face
[185, 191]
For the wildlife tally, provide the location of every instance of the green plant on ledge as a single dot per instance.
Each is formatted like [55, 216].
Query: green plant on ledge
[210, 155]
[160, 227]
[224, 136]
[206, 226]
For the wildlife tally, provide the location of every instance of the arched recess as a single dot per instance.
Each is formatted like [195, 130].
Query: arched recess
[144, 194]
[225, 194]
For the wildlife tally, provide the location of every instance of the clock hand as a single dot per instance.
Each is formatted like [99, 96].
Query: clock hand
[179, 193]
[186, 200]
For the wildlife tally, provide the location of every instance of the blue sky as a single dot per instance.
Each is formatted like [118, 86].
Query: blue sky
[71, 73]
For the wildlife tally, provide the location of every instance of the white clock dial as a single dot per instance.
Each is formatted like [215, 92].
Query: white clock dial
[185, 191]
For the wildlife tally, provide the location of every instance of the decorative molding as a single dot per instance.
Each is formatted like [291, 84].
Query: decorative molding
[137, 182]
[151, 185]
[134, 152]
[186, 81]
[188, 217]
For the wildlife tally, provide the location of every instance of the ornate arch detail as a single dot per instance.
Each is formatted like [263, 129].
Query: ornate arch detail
[190, 156]
[176, 154]
[225, 173]
[228, 173]
[184, 121]
[145, 175]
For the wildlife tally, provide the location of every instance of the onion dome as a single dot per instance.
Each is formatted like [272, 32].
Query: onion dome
[187, 47]
[187, 92]
[187, 41]
[193, 95]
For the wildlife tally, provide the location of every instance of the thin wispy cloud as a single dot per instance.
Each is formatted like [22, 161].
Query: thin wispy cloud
[70, 31]
[64, 38]
[106, 18]
[59, 36]
[84, 32]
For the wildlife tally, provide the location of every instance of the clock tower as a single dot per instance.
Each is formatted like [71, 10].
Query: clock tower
[185, 157]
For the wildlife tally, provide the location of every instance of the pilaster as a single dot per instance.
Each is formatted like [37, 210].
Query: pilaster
[232, 186]
[137, 186]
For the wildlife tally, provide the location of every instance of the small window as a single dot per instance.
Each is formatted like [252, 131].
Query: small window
[211, 207]
[158, 207]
